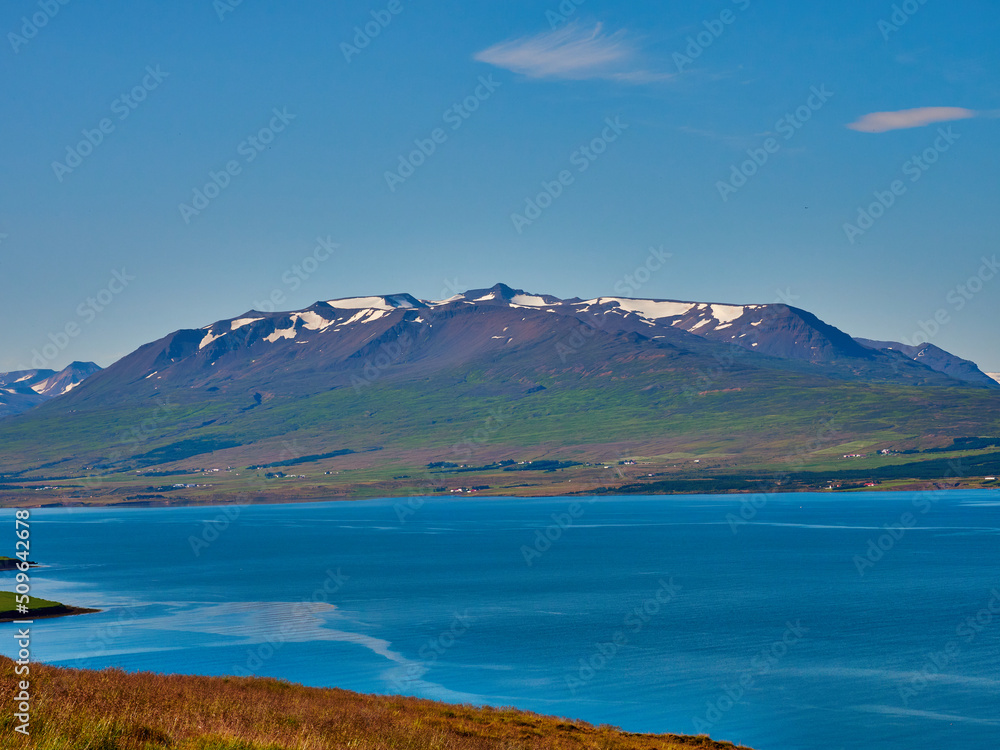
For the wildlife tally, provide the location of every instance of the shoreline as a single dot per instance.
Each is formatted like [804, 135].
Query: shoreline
[403, 475]
[264, 499]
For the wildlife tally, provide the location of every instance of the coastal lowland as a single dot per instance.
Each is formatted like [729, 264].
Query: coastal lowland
[211, 480]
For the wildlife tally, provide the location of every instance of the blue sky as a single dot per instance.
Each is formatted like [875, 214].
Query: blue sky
[833, 101]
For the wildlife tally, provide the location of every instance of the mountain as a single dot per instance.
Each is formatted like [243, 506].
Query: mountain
[938, 360]
[777, 330]
[371, 389]
[994, 375]
[359, 340]
[24, 389]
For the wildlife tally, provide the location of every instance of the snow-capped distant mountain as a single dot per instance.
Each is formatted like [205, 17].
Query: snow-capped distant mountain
[775, 329]
[24, 389]
[387, 371]
[398, 336]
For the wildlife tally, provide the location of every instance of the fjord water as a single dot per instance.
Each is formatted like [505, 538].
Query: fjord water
[761, 625]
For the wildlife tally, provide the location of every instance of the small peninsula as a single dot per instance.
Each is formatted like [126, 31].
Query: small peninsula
[37, 609]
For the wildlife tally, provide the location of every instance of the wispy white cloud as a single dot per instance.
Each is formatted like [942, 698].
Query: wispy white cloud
[880, 122]
[572, 52]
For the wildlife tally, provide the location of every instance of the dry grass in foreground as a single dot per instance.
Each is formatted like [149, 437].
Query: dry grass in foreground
[113, 710]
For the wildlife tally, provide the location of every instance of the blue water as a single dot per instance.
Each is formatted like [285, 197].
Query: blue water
[762, 632]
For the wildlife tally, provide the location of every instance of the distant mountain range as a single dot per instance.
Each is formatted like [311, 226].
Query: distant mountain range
[408, 376]
[936, 359]
[333, 341]
[23, 389]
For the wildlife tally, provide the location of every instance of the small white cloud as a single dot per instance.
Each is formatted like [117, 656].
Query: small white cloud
[571, 52]
[880, 122]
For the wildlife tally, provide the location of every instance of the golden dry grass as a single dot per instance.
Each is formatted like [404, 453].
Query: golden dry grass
[114, 710]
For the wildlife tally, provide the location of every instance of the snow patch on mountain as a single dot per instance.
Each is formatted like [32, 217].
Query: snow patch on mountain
[438, 303]
[365, 316]
[209, 338]
[242, 322]
[528, 300]
[281, 333]
[727, 313]
[311, 320]
[356, 317]
[361, 303]
[646, 307]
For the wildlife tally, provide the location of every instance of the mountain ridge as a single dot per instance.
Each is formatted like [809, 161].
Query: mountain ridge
[345, 337]
[22, 390]
[937, 359]
[382, 384]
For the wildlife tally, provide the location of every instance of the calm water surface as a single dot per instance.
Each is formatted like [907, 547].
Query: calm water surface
[793, 630]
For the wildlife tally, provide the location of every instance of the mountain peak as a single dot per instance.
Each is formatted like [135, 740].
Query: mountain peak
[24, 389]
[386, 302]
[776, 330]
[505, 291]
[332, 337]
[937, 359]
[501, 293]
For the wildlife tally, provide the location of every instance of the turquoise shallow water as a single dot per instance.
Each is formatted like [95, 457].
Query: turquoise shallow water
[650, 613]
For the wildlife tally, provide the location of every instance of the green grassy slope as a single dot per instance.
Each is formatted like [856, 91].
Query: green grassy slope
[740, 422]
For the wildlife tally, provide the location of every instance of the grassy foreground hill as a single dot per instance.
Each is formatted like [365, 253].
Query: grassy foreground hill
[113, 710]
